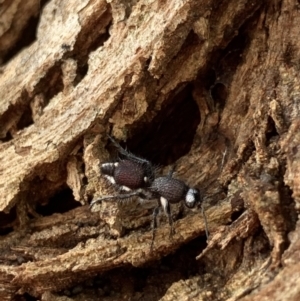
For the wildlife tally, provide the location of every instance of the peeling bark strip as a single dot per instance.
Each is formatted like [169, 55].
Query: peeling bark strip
[212, 86]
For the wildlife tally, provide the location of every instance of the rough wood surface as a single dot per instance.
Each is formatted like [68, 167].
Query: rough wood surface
[210, 86]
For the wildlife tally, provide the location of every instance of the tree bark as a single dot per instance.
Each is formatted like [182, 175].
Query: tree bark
[211, 87]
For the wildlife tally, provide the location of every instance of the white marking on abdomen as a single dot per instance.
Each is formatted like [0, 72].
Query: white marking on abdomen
[110, 179]
[107, 164]
[125, 188]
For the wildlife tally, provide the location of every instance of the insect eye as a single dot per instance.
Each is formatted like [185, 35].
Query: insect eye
[197, 195]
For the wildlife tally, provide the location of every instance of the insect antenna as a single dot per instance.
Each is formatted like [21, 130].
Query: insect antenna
[205, 222]
[127, 154]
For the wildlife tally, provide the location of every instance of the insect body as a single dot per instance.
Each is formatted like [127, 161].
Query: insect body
[135, 176]
[129, 173]
[126, 174]
[174, 191]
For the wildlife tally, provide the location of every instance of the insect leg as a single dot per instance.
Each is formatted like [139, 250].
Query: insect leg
[115, 197]
[126, 153]
[171, 171]
[154, 225]
[166, 206]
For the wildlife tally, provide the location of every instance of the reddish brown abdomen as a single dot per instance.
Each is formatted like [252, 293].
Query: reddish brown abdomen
[129, 174]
